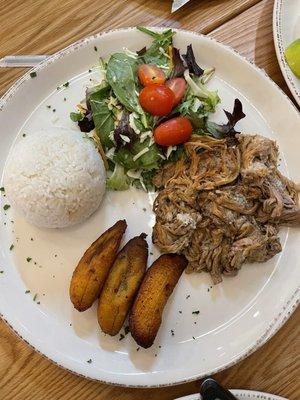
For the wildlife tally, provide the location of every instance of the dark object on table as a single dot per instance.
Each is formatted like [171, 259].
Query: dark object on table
[212, 390]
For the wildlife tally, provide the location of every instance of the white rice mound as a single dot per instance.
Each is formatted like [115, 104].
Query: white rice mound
[55, 178]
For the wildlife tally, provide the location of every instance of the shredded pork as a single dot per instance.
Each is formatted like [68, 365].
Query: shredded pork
[222, 204]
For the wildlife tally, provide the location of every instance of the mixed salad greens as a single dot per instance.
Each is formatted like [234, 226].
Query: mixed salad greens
[148, 104]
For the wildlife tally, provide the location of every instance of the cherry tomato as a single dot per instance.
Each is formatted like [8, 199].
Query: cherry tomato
[151, 75]
[157, 99]
[174, 131]
[178, 86]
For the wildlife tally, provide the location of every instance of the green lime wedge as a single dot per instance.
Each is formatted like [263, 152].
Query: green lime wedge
[292, 56]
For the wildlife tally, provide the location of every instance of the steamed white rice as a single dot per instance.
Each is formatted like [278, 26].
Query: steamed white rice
[55, 178]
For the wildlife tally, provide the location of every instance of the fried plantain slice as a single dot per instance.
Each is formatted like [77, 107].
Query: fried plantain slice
[156, 288]
[122, 285]
[93, 268]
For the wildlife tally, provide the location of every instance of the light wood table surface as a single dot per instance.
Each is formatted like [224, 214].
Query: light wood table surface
[45, 26]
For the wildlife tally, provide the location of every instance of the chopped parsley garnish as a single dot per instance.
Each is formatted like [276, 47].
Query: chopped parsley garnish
[180, 312]
[194, 337]
[49, 106]
[6, 207]
[172, 332]
[24, 135]
[31, 239]
[2, 189]
[89, 361]
[33, 74]
[35, 297]
[121, 336]
[144, 209]
[188, 296]
[11, 247]
[38, 302]
[95, 48]
[1, 272]
[90, 70]
[65, 99]
[196, 312]
[66, 84]
[126, 330]
[54, 110]
[151, 253]
[28, 259]
[138, 348]
[27, 291]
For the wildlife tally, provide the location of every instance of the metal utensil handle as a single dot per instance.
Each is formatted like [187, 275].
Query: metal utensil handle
[22, 60]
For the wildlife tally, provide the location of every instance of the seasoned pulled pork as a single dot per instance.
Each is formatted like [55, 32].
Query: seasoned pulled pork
[222, 204]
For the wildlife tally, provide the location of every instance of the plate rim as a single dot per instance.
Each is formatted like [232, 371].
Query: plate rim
[290, 305]
[278, 44]
[242, 393]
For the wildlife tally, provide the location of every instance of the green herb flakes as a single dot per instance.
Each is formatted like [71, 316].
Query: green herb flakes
[2, 189]
[66, 84]
[196, 312]
[28, 259]
[33, 74]
[11, 247]
[121, 336]
[6, 207]
[27, 291]
[89, 361]
[35, 297]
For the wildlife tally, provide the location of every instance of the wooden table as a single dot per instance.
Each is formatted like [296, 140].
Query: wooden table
[45, 26]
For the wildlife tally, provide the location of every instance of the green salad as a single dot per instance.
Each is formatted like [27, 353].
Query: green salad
[147, 106]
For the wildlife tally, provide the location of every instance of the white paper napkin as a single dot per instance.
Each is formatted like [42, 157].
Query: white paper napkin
[178, 3]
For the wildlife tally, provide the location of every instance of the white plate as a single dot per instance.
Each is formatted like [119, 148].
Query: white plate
[241, 395]
[286, 29]
[236, 317]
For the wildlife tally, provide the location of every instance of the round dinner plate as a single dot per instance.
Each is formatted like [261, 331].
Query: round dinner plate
[286, 29]
[235, 317]
[241, 395]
